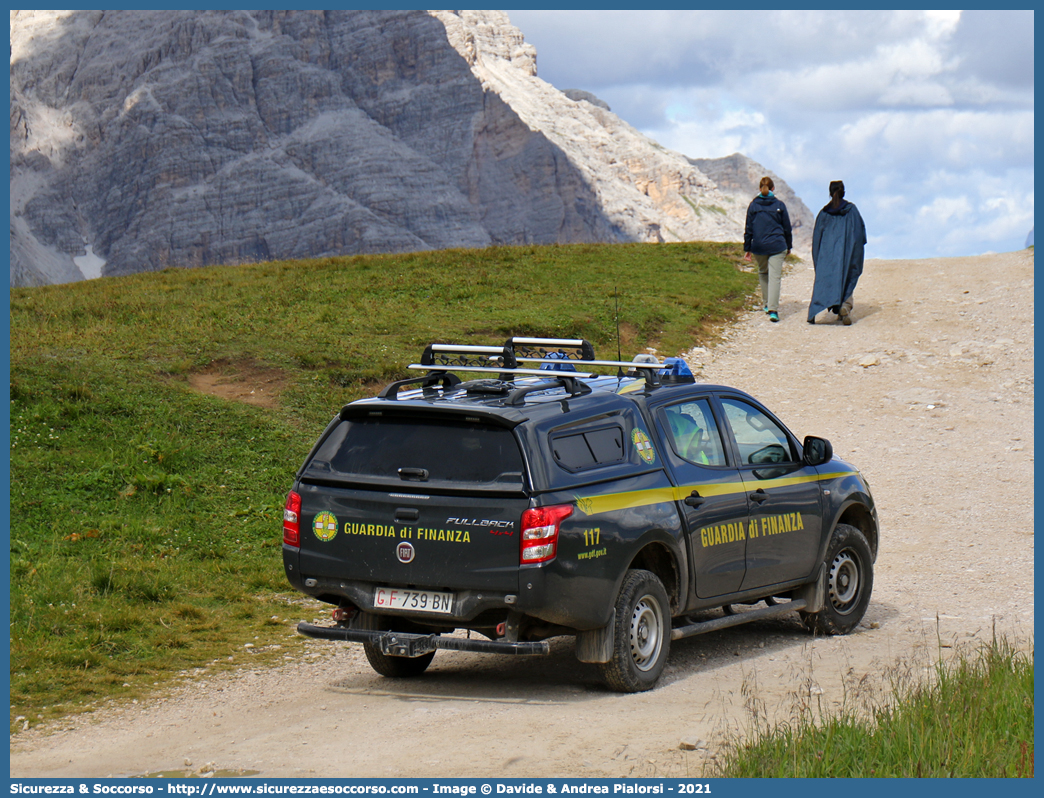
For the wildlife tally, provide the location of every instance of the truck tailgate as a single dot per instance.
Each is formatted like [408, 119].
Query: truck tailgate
[410, 538]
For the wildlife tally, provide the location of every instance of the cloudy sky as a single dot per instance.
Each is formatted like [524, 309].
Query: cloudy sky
[926, 115]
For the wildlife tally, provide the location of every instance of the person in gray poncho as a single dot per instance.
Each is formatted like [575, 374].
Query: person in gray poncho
[837, 256]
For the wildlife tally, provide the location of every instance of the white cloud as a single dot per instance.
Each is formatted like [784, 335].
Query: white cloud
[942, 24]
[950, 213]
[956, 139]
[944, 211]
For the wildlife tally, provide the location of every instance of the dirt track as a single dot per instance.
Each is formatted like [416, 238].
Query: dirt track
[930, 393]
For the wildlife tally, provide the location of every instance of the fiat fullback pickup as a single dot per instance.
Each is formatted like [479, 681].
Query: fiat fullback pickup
[511, 494]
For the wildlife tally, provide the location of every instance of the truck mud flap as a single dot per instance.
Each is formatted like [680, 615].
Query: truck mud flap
[735, 620]
[406, 644]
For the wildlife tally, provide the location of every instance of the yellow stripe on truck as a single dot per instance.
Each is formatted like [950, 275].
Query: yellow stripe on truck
[609, 502]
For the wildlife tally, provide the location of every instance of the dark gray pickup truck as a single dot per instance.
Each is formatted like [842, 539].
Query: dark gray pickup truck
[515, 493]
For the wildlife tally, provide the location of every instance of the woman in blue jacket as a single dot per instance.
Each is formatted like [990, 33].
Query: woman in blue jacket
[767, 236]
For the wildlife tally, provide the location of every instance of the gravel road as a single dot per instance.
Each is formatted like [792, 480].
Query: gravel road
[929, 392]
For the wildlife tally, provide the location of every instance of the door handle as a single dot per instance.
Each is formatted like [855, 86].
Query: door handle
[414, 474]
[759, 496]
[694, 499]
[404, 515]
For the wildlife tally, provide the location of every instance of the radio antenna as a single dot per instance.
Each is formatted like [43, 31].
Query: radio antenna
[619, 356]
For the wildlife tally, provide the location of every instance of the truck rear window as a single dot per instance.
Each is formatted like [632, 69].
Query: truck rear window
[418, 451]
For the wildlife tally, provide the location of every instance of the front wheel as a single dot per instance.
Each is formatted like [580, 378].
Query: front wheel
[394, 667]
[850, 580]
[641, 634]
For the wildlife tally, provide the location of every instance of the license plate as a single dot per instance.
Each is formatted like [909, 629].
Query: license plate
[397, 598]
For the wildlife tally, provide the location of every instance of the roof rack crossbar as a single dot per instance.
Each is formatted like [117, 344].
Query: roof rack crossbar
[449, 382]
[628, 363]
[653, 371]
[572, 386]
[445, 367]
[561, 348]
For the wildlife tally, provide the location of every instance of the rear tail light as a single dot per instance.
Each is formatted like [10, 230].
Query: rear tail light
[540, 527]
[292, 520]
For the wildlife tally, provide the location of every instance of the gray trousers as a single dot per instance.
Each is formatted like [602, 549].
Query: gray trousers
[770, 273]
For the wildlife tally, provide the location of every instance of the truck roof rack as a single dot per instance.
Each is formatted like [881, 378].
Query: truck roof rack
[561, 356]
[551, 352]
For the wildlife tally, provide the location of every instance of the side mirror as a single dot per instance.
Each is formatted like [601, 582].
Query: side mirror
[817, 451]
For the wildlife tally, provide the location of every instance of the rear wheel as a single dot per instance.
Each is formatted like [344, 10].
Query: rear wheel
[394, 667]
[850, 580]
[641, 634]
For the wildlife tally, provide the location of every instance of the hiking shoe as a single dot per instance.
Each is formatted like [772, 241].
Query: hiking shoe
[846, 317]
[773, 316]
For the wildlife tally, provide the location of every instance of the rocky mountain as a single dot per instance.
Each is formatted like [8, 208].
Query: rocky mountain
[142, 140]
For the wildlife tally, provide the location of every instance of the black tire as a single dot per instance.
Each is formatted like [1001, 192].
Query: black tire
[850, 580]
[641, 634]
[392, 667]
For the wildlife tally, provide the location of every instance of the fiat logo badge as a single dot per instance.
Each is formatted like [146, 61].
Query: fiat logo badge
[405, 552]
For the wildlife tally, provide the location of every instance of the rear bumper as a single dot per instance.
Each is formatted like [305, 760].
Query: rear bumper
[468, 603]
[407, 644]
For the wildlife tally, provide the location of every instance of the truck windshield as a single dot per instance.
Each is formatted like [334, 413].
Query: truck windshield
[414, 450]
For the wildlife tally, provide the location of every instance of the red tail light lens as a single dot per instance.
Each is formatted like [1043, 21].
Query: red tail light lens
[292, 520]
[540, 532]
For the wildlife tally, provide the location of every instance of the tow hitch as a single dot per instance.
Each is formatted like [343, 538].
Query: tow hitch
[396, 645]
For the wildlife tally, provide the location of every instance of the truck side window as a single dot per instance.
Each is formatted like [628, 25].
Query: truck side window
[694, 434]
[760, 439]
[589, 448]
